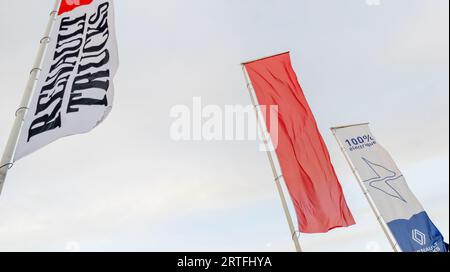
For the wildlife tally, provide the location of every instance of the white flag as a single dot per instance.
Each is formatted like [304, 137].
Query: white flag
[400, 209]
[74, 91]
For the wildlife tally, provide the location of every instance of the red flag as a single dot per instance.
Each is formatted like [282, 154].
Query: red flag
[69, 5]
[304, 159]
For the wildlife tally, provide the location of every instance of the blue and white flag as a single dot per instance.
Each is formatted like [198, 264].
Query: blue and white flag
[404, 215]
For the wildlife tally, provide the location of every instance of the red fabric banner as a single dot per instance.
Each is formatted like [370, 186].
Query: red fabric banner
[69, 5]
[304, 159]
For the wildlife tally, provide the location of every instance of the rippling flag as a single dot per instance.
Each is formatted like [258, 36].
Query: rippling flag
[304, 159]
[406, 218]
[74, 89]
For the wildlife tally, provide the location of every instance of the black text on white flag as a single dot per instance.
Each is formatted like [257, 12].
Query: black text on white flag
[74, 91]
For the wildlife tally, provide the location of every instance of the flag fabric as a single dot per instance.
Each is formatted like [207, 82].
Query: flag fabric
[303, 156]
[406, 218]
[69, 5]
[74, 91]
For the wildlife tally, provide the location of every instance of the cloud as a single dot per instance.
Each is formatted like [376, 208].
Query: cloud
[425, 38]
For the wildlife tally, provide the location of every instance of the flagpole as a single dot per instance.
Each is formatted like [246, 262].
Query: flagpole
[277, 177]
[7, 160]
[386, 231]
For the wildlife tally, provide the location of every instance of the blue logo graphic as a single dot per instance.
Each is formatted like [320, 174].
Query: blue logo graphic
[417, 234]
[383, 180]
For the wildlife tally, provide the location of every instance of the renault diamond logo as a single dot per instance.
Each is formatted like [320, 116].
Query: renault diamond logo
[419, 237]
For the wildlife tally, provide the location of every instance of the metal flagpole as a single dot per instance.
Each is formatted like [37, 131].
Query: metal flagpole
[277, 177]
[6, 161]
[383, 225]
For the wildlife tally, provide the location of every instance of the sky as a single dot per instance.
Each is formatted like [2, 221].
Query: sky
[127, 186]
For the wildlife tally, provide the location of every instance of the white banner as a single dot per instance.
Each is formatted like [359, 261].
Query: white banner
[74, 91]
[388, 189]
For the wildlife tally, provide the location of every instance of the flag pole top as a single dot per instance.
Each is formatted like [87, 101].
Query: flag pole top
[347, 126]
[250, 61]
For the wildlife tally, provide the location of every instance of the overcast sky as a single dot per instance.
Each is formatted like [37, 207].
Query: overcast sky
[126, 186]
